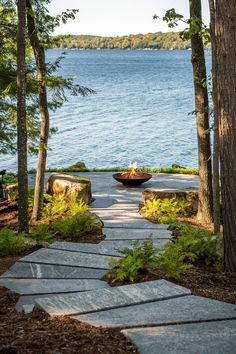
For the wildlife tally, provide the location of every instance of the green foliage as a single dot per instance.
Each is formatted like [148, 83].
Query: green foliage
[207, 248]
[172, 260]
[12, 243]
[9, 178]
[163, 210]
[74, 227]
[195, 26]
[192, 246]
[61, 205]
[41, 234]
[158, 40]
[133, 260]
[58, 87]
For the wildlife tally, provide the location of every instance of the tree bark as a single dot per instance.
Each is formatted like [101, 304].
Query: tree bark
[21, 119]
[39, 54]
[216, 172]
[205, 205]
[226, 110]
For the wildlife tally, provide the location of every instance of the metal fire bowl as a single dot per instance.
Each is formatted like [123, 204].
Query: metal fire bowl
[132, 181]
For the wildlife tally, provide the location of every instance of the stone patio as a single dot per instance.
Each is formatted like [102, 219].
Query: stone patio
[65, 279]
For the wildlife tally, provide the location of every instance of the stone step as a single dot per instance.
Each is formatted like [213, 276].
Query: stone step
[137, 224]
[76, 259]
[50, 286]
[105, 247]
[45, 271]
[218, 337]
[135, 234]
[183, 309]
[108, 298]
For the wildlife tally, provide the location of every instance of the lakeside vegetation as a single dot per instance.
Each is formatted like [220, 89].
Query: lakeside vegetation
[158, 40]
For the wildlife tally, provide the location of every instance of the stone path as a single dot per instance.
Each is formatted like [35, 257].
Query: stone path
[158, 316]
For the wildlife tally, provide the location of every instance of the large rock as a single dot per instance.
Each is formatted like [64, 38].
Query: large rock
[190, 195]
[68, 184]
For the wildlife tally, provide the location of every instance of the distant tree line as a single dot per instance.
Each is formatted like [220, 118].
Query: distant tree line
[159, 40]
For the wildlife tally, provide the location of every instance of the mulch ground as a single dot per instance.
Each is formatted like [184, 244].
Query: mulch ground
[37, 333]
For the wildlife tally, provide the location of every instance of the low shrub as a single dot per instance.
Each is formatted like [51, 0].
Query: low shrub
[60, 205]
[75, 226]
[164, 210]
[41, 234]
[12, 243]
[193, 245]
[133, 260]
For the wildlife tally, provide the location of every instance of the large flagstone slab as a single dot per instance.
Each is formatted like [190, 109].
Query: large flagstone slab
[136, 224]
[135, 234]
[182, 309]
[121, 215]
[98, 249]
[198, 338]
[108, 298]
[49, 286]
[105, 247]
[45, 271]
[76, 259]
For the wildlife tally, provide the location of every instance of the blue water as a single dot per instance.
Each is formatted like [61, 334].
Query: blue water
[139, 113]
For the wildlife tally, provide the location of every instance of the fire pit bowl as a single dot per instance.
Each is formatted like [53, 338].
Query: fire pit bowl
[132, 180]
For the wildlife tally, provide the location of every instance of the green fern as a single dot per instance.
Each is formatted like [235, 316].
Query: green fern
[12, 243]
[133, 260]
[61, 205]
[75, 226]
[164, 210]
[41, 234]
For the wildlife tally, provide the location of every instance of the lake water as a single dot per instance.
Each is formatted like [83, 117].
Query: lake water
[139, 113]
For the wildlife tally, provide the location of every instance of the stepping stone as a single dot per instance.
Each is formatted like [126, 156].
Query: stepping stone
[50, 286]
[121, 215]
[137, 224]
[108, 298]
[202, 338]
[117, 206]
[76, 259]
[188, 308]
[135, 234]
[45, 271]
[105, 247]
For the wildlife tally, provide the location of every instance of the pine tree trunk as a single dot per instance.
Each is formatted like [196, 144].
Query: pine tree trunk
[226, 109]
[43, 105]
[205, 205]
[216, 174]
[21, 119]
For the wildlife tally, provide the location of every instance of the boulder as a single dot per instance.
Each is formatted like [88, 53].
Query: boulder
[190, 195]
[174, 165]
[62, 183]
[10, 191]
[80, 165]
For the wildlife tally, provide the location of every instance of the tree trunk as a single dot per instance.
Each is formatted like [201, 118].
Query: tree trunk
[205, 205]
[226, 110]
[21, 119]
[43, 105]
[216, 174]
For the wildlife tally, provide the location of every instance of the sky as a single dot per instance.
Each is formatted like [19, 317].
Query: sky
[119, 17]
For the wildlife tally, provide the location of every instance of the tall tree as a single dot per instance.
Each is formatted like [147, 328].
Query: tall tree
[215, 160]
[39, 54]
[226, 110]
[21, 118]
[205, 204]
[196, 33]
